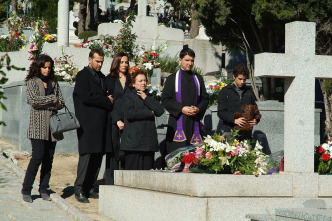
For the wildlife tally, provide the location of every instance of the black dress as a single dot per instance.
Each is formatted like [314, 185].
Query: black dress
[168, 98]
[113, 162]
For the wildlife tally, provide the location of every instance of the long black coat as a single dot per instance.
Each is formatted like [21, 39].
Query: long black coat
[91, 107]
[168, 98]
[230, 102]
[140, 133]
[115, 89]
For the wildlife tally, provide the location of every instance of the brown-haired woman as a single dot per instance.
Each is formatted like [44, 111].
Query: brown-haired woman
[117, 82]
[139, 139]
[44, 95]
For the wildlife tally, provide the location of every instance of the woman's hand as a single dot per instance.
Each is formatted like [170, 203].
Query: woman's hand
[58, 105]
[142, 94]
[120, 124]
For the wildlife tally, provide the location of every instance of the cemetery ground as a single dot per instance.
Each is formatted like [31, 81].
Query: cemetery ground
[62, 182]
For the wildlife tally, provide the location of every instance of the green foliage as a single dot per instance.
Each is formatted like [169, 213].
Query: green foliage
[87, 34]
[17, 43]
[125, 40]
[5, 64]
[171, 65]
[46, 10]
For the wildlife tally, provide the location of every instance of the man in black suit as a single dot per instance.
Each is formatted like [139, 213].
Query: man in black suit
[91, 107]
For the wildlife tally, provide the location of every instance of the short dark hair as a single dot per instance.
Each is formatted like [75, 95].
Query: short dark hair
[187, 51]
[241, 69]
[135, 74]
[96, 51]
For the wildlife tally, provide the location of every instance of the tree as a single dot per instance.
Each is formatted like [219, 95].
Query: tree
[257, 26]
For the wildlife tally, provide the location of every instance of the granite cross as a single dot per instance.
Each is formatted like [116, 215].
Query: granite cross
[300, 67]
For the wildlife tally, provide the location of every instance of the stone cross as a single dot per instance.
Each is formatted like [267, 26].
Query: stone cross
[300, 67]
[141, 7]
[63, 23]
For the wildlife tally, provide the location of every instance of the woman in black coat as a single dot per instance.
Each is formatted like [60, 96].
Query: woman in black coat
[140, 139]
[116, 84]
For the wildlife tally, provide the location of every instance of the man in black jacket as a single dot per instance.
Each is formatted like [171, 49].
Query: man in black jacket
[91, 108]
[231, 99]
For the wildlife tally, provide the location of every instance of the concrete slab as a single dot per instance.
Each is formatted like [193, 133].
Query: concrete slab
[207, 185]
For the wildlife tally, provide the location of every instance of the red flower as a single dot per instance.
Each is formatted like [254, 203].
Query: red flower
[325, 157]
[143, 57]
[86, 42]
[105, 45]
[211, 86]
[282, 160]
[319, 149]
[117, 38]
[146, 52]
[16, 33]
[188, 158]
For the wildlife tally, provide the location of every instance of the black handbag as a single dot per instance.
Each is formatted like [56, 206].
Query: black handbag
[63, 121]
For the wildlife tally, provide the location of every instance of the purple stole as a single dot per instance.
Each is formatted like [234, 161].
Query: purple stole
[179, 135]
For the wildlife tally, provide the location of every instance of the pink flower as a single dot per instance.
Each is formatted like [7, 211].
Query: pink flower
[237, 173]
[235, 152]
[208, 155]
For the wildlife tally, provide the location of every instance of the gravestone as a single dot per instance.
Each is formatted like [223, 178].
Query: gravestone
[154, 195]
[156, 76]
[299, 66]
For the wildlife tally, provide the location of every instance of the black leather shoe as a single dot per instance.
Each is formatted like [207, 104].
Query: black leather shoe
[80, 197]
[93, 194]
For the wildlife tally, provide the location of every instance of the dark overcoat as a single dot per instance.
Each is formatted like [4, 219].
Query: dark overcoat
[140, 133]
[91, 107]
[189, 96]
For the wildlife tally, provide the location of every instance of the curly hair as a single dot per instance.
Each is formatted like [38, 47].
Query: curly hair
[135, 74]
[34, 70]
[114, 70]
[241, 69]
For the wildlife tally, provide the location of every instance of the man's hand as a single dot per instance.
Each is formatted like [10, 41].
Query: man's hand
[253, 122]
[120, 124]
[111, 98]
[195, 110]
[187, 110]
[240, 121]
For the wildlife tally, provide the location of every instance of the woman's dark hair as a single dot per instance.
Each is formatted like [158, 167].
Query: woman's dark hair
[186, 51]
[34, 70]
[114, 71]
[135, 74]
[241, 69]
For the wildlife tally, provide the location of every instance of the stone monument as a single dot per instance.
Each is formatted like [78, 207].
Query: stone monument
[153, 195]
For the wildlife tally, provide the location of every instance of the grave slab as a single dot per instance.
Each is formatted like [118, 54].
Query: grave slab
[206, 185]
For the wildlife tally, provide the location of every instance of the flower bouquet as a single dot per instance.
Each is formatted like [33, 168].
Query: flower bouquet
[98, 44]
[323, 162]
[230, 156]
[65, 68]
[50, 38]
[213, 89]
[156, 90]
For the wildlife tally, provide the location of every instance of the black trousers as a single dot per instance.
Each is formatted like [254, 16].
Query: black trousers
[111, 164]
[42, 154]
[87, 172]
[139, 160]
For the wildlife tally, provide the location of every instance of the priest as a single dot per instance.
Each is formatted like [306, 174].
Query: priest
[185, 98]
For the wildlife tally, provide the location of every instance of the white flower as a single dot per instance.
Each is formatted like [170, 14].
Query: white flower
[325, 146]
[258, 146]
[148, 66]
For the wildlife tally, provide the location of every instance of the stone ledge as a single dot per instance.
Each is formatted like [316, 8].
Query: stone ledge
[124, 203]
[207, 185]
[325, 187]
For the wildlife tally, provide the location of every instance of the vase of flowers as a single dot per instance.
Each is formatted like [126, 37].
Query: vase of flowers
[323, 162]
[213, 89]
[65, 68]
